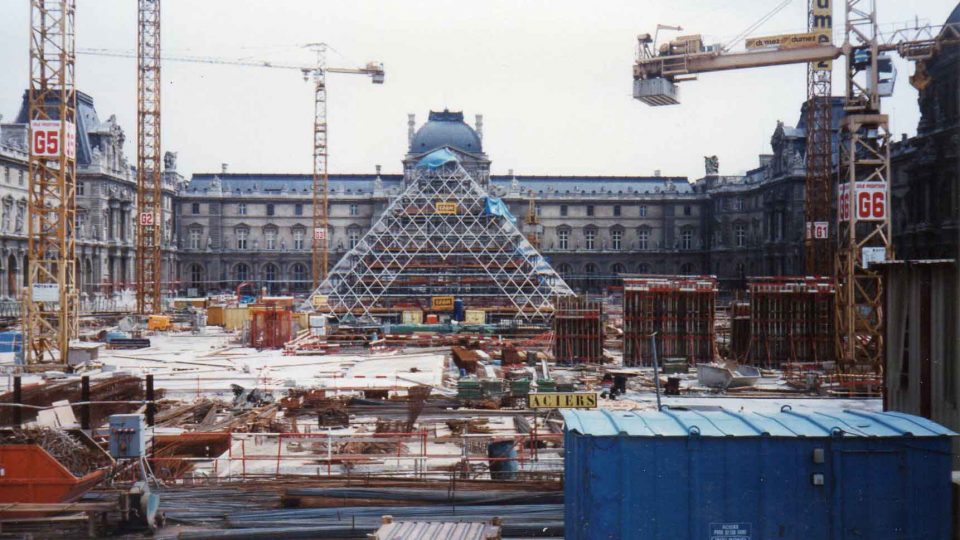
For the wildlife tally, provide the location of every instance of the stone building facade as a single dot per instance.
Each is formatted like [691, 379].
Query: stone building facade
[106, 205]
[226, 228]
[236, 227]
[925, 184]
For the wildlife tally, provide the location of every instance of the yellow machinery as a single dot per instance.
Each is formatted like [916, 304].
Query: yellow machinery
[158, 322]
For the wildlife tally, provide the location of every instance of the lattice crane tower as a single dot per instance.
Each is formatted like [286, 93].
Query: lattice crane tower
[50, 314]
[150, 218]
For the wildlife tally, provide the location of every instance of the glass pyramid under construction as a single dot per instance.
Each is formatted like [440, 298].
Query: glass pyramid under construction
[442, 239]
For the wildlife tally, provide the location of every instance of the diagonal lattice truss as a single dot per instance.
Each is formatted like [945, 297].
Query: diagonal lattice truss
[440, 237]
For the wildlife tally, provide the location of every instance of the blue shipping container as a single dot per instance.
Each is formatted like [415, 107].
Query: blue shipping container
[722, 475]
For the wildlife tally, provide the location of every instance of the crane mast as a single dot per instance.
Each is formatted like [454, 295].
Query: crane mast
[863, 178]
[50, 299]
[818, 250]
[321, 179]
[150, 218]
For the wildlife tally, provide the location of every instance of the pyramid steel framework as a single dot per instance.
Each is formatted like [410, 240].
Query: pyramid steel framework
[444, 236]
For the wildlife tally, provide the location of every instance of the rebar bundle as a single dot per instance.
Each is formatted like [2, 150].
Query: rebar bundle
[791, 321]
[680, 310]
[578, 329]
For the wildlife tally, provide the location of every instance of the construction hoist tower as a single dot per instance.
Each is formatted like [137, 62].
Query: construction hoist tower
[50, 299]
[150, 218]
[442, 238]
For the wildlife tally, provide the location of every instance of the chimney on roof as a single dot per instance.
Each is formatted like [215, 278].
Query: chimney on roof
[378, 171]
[411, 122]
[510, 173]
[656, 173]
[479, 126]
[224, 167]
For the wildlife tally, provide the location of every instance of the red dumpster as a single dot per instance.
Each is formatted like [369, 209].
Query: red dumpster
[31, 475]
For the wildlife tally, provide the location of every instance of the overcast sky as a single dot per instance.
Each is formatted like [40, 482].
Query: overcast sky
[551, 77]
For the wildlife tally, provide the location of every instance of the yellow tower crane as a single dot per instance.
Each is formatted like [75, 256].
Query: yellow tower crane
[150, 218]
[317, 73]
[50, 299]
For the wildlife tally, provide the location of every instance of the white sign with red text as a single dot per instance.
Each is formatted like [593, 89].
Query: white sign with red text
[319, 233]
[818, 230]
[867, 199]
[46, 141]
[821, 230]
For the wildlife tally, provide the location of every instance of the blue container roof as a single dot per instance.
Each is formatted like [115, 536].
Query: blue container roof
[724, 423]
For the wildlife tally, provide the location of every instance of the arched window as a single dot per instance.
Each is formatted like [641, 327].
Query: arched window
[196, 275]
[618, 268]
[298, 274]
[12, 275]
[271, 273]
[741, 270]
[590, 268]
[241, 272]
[564, 268]
[643, 268]
[686, 269]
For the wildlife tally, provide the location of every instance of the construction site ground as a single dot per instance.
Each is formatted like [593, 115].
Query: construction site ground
[263, 440]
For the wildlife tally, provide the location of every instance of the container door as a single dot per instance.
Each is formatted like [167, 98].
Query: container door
[871, 488]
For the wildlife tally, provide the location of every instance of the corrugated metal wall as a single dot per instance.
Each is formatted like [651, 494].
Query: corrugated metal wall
[748, 476]
[922, 333]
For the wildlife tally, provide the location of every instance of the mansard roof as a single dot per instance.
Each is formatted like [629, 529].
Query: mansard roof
[364, 183]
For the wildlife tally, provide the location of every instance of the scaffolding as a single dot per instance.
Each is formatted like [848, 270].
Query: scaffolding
[679, 309]
[442, 238]
[578, 329]
[792, 321]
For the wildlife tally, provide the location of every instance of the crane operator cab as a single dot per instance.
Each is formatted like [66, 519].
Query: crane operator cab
[886, 72]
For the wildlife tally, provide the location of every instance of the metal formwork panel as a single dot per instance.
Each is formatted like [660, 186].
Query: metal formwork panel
[578, 331]
[791, 321]
[681, 310]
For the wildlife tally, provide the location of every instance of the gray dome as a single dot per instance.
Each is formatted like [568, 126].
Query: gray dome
[445, 129]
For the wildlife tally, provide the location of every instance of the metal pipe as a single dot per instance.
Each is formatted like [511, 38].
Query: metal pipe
[656, 367]
[18, 400]
[85, 397]
[151, 406]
